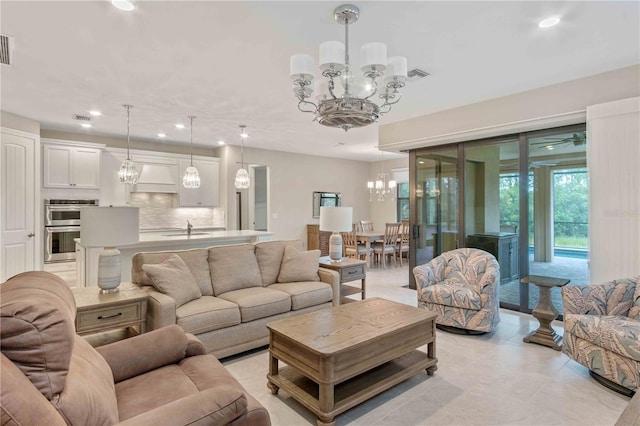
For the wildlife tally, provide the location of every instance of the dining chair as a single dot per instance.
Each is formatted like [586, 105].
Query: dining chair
[351, 246]
[366, 225]
[388, 245]
[403, 241]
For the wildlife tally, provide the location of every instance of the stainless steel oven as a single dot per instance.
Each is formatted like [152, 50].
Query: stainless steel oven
[62, 225]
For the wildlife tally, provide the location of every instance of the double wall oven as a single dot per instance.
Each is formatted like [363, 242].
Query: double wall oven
[62, 225]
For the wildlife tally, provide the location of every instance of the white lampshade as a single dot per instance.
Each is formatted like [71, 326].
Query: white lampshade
[332, 55]
[396, 67]
[109, 226]
[302, 65]
[336, 219]
[373, 55]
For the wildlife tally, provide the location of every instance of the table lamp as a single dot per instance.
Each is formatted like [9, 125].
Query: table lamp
[336, 220]
[109, 227]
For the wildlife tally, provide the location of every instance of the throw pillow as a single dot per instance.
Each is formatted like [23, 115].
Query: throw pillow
[299, 265]
[173, 278]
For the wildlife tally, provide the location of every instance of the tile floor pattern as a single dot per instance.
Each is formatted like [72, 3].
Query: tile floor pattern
[494, 379]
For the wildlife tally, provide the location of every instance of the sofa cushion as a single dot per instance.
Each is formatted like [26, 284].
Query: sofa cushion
[197, 260]
[173, 278]
[233, 268]
[37, 328]
[452, 293]
[616, 334]
[207, 313]
[269, 255]
[299, 265]
[259, 302]
[306, 293]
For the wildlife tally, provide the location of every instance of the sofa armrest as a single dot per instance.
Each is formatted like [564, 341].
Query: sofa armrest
[331, 277]
[425, 276]
[140, 354]
[216, 406]
[194, 346]
[161, 309]
[610, 298]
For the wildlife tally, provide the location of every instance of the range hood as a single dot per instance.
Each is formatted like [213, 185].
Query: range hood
[157, 178]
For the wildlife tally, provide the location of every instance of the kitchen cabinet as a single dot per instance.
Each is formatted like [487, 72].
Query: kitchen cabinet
[208, 193]
[504, 246]
[74, 166]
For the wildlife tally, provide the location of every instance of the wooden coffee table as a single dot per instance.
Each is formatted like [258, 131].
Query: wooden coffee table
[339, 357]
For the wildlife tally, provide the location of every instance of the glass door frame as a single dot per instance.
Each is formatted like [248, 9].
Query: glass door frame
[523, 174]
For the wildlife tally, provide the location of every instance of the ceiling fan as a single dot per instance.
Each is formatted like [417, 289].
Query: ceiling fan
[577, 139]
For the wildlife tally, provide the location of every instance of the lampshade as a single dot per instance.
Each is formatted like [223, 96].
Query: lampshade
[109, 226]
[336, 219]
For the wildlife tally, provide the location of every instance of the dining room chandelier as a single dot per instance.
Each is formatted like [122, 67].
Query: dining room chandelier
[353, 107]
[191, 178]
[128, 172]
[242, 176]
[383, 187]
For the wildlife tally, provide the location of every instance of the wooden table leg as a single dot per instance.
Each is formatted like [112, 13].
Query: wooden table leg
[326, 403]
[545, 312]
[273, 371]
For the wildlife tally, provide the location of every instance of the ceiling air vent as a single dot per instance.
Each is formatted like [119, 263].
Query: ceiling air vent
[416, 73]
[81, 117]
[6, 50]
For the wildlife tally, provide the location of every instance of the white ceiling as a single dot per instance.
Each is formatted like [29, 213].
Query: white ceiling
[228, 62]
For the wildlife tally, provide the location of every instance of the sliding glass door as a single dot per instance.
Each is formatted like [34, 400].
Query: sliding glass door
[521, 197]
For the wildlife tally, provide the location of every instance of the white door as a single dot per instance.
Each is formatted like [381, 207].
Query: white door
[17, 200]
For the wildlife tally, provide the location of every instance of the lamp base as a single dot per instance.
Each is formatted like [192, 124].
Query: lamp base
[109, 270]
[335, 247]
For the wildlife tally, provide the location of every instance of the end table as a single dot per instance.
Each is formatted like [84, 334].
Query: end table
[545, 312]
[350, 270]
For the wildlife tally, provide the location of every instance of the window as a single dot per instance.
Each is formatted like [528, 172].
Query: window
[403, 201]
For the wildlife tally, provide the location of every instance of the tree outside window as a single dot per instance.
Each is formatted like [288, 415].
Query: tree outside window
[402, 201]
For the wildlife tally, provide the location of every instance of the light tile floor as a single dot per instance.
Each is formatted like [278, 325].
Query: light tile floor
[494, 379]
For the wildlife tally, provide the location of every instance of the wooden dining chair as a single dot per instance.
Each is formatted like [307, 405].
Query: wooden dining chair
[403, 241]
[351, 247]
[366, 225]
[388, 245]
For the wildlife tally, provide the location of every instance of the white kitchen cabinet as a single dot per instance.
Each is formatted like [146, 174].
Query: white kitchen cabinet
[72, 166]
[208, 195]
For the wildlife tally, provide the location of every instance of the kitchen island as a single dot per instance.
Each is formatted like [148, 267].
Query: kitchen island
[87, 257]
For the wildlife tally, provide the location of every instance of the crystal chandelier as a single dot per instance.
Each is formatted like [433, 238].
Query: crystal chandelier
[383, 187]
[242, 176]
[128, 172]
[191, 178]
[353, 107]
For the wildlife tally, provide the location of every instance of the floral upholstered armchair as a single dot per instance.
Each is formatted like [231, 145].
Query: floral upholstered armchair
[602, 330]
[461, 286]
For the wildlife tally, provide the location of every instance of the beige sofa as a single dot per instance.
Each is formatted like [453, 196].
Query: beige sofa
[238, 290]
[52, 376]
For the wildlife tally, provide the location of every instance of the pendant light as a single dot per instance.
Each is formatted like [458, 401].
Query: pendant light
[242, 176]
[128, 172]
[191, 178]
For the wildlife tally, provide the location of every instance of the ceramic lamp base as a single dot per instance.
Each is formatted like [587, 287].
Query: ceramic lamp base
[109, 270]
[335, 247]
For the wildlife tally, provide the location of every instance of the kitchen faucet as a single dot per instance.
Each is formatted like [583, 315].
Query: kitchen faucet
[189, 226]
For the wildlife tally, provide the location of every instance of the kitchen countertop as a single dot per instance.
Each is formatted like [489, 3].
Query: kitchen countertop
[179, 237]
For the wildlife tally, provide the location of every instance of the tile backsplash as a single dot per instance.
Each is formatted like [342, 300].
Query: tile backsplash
[157, 211]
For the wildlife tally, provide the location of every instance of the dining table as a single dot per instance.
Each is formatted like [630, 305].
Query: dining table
[367, 237]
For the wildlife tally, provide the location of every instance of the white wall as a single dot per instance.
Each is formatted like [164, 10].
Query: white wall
[293, 178]
[17, 122]
[613, 156]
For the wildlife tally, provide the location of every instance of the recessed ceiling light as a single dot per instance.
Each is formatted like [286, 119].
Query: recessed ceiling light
[95, 113]
[549, 147]
[220, 142]
[162, 135]
[86, 125]
[549, 22]
[123, 5]
[420, 162]
[179, 126]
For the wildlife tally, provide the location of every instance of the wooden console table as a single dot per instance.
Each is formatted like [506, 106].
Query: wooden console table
[349, 270]
[545, 312]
